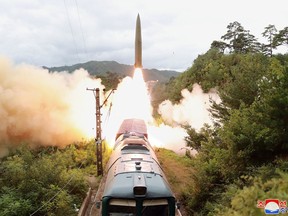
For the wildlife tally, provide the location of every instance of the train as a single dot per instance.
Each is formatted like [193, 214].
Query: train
[135, 183]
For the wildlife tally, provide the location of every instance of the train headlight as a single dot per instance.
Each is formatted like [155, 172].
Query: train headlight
[139, 189]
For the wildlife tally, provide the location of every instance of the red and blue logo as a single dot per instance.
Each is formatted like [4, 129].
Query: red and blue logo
[273, 206]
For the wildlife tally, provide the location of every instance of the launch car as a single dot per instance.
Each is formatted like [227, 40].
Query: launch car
[135, 182]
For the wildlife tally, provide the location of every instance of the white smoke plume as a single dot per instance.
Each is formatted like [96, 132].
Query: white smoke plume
[192, 109]
[43, 108]
[165, 136]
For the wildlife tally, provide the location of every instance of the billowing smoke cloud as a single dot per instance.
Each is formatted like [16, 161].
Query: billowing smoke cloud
[131, 101]
[44, 108]
[192, 109]
[165, 136]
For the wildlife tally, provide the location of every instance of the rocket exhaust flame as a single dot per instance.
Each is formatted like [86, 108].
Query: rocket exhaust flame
[44, 108]
[130, 100]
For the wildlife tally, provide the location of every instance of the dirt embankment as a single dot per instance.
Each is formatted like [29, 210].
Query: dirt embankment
[178, 171]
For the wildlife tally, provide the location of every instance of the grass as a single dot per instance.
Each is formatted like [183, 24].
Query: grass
[178, 170]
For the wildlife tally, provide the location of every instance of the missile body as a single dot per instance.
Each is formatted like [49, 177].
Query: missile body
[138, 44]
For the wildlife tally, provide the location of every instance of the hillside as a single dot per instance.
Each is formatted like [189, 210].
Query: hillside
[102, 67]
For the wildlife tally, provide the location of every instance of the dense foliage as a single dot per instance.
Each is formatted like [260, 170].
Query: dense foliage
[45, 181]
[243, 157]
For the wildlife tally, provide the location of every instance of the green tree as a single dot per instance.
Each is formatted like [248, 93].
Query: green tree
[220, 45]
[243, 72]
[253, 133]
[195, 139]
[281, 38]
[240, 40]
[245, 200]
[269, 33]
[110, 80]
[12, 204]
[45, 181]
[207, 70]
[272, 108]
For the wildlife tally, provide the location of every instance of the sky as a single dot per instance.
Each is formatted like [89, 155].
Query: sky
[66, 32]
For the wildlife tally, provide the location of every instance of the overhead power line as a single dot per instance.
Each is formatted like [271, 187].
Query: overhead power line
[72, 32]
[53, 197]
[81, 28]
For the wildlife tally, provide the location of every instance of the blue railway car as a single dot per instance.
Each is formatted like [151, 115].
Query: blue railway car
[135, 182]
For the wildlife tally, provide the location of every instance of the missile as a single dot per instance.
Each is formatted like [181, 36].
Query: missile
[138, 44]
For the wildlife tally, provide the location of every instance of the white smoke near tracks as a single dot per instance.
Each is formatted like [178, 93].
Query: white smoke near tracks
[55, 109]
[192, 109]
[40, 107]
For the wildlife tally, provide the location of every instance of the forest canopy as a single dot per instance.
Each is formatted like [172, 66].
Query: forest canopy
[242, 158]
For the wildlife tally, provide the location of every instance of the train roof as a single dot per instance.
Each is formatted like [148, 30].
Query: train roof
[125, 184]
[137, 126]
[133, 166]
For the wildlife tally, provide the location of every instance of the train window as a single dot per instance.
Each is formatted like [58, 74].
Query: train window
[122, 207]
[134, 147]
[155, 207]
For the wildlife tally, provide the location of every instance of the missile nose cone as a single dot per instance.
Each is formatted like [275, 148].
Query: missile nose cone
[138, 44]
